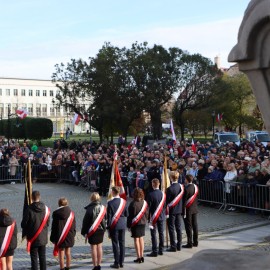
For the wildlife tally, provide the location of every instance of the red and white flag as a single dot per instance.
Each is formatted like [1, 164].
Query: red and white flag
[22, 113]
[219, 117]
[173, 133]
[76, 119]
[193, 146]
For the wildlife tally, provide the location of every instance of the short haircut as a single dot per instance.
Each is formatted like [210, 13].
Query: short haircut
[62, 201]
[35, 195]
[4, 212]
[155, 182]
[189, 178]
[116, 190]
[174, 175]
[94, 197]
[138, 194]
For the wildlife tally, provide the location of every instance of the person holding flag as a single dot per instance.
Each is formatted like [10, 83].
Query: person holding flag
[190, 210]
[35, 225]
[116, 224]
[174, 195]
[156, 202]
[136, 221]
[94, 227]
[63, 232]
[8, 239]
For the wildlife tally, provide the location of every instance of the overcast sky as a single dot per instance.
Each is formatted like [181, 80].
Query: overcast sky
[37, 34]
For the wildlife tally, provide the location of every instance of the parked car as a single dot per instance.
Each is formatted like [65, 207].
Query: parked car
[221, 138]
[256, 135]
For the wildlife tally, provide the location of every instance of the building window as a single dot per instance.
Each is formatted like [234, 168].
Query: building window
[30, 93]
[44, 109]
[14, 108]
[15, 92]
[30, 109]
[7, 92]
[0, 92]
[6, 110]
[44, 93]
[51, 93]
[51, 110]
[1, 110]
[37, 93]
[22, 92]
[38, 110]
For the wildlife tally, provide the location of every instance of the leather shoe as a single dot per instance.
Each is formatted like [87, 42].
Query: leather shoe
[121, 265]
[152, 254]
[187, 246]
[160, 253]
[115, 266]
[195, 244]
[171, 249]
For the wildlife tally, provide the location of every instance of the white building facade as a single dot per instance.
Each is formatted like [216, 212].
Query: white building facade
[36, 96]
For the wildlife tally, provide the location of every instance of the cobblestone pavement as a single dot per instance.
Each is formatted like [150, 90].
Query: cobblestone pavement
[12, 196]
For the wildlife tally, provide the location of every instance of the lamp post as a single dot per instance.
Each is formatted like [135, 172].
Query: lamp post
[213, 124]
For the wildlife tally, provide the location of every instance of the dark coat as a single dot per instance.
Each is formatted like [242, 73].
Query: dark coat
[92, 211]
[153, 200]
[60, 217]
[32, 219]
[189, 192]
[171, 193]
[133, 210]
[112, 208]
[6, 221]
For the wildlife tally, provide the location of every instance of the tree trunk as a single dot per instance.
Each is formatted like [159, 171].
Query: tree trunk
[111, 137]
[100, 134]
[156, 124]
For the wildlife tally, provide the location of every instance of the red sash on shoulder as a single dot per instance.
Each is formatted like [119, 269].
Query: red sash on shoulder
[43, 223]
[7, 239]
[64, 233]
[175, 201]
[118, 213]
[97, 222]
[158, 211]
[191, 200]
[139, 216]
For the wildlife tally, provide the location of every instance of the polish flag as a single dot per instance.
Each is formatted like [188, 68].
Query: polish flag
[172, 130]
[22, 113]
[219, 117]
[76, 119]
[193, 146]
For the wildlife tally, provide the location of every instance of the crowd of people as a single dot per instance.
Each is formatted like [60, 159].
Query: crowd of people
[141, 168]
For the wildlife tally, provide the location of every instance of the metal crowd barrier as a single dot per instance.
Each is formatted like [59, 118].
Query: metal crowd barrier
[43, 172]
[90, 180]
[11, 173]
[212, 192]
[250, 196]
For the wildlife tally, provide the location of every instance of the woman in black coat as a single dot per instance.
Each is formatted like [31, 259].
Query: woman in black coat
[138, 229]
[7, 257]
[95, 240]
[60, 217]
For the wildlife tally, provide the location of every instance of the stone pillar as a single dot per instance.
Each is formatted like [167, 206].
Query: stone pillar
[252, 53]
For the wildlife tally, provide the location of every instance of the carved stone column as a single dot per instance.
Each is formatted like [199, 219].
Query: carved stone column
[252, 53]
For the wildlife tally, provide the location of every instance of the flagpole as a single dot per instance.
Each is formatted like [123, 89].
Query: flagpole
[165, 173]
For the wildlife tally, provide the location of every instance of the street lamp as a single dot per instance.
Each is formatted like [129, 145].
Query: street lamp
[213, 123]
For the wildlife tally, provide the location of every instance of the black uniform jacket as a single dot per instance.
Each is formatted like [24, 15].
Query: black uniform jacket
[6, 221]
[60, 217]
[31, 222]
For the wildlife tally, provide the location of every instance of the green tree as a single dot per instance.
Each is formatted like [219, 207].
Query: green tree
[198, 77]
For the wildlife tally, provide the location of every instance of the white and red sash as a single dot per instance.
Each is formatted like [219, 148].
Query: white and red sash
[118, 213]
[7, 239]
[191, 200]
[42, 225]
[158, 211]
[139, 216]
[97, 222]
[175, 201]
[64, 233]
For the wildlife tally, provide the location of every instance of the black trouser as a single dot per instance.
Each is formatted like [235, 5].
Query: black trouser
[158, 227]
[38, 252]
[191, 227]
[103, 185]
[118, 244]
[174, 225]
